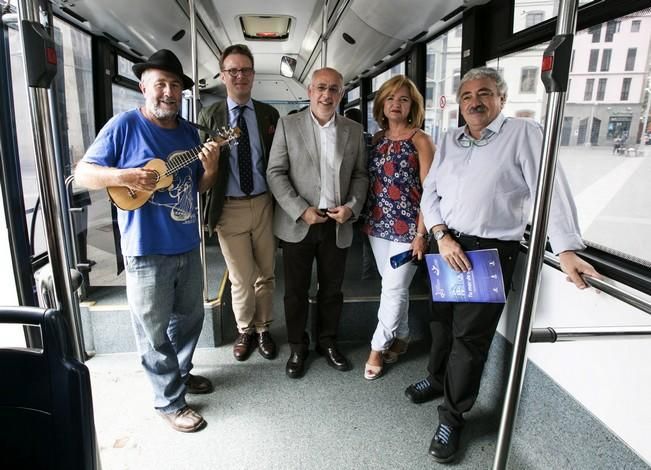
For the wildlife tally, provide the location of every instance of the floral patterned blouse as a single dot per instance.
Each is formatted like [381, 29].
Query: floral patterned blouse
[391, 210]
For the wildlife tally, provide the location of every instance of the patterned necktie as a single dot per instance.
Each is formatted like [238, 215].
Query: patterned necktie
[244, 155]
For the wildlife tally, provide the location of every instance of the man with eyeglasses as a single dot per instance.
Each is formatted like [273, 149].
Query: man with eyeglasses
[478, 195]
[317, 174]
[239, 205]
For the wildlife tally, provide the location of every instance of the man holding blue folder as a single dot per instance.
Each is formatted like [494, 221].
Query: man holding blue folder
[478, 195]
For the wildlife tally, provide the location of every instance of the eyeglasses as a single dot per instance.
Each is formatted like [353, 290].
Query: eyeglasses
[246, 72]
[334, 89]
[467, 141]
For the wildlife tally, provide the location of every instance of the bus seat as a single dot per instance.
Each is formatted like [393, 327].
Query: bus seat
[46, 409]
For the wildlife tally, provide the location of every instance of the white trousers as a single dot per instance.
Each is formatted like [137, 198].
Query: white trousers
[394, 301]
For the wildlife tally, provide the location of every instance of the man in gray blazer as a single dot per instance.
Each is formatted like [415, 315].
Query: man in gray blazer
[317, 174]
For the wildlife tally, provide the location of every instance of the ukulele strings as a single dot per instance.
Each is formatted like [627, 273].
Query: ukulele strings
[191, 155]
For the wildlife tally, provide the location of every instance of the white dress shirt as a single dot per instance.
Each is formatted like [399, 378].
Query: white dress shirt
[326, 138]
[486, 188]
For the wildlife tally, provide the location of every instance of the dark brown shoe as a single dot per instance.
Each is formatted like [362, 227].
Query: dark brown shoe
[266, 345]
[184, 420]
[244, 345]
[197, 385]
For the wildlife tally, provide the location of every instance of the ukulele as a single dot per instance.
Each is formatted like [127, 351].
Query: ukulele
[129, 199]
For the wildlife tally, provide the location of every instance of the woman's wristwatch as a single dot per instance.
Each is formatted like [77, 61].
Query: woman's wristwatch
[422, 235]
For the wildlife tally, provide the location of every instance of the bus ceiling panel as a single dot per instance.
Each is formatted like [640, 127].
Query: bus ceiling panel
[143, 27]
[267, 53]
[370, 46]
[278, 88]
[377, 32]
[424, 15]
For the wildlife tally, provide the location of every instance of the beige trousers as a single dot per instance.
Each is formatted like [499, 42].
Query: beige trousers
[247, 242]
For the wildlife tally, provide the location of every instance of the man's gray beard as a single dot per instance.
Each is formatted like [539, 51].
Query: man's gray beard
[159, 113]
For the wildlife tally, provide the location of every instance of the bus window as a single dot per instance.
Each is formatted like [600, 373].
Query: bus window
[75, 90]
[602, 136]
[25, 140]
[125, 98]
[8, 294]
[372, 126]
[527, 13]
[378, 80]
[441, 81]
[353, 95]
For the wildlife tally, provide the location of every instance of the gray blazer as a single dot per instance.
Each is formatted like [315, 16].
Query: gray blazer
[294, 174]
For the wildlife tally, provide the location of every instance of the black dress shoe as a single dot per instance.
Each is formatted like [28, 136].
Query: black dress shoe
[422, 391]
[266, 345]
[445, 443]
[335, 358]
[295, 367]
[244, 344]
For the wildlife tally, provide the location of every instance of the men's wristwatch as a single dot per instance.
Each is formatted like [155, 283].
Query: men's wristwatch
[440, 234]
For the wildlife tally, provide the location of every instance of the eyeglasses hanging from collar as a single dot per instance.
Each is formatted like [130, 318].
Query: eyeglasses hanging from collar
[467, 141]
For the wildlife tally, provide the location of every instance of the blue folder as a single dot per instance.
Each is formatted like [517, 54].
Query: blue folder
[483, 283]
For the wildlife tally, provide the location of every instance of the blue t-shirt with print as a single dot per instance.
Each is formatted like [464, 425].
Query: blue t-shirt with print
[167, 223]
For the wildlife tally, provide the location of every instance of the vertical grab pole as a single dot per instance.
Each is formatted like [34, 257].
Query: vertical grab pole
[195, 115]
[40, 71]
[324, 31]
[554, 74]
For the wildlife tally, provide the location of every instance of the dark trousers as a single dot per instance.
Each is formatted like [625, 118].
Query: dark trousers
[462, 335]
[320, 244]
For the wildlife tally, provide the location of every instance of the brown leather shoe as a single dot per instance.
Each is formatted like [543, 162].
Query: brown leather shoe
[197, 385]
[184, 419]
[243, 346]
[266, 345]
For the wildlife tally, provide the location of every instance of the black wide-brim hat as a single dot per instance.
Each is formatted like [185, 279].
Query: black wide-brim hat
[164, 60]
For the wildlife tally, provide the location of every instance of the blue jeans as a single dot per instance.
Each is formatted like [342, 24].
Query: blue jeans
[165, 295]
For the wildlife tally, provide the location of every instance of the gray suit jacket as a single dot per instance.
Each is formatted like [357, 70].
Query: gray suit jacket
[294, 174]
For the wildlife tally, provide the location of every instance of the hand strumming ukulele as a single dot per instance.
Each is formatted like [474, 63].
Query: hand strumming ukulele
[129, 199]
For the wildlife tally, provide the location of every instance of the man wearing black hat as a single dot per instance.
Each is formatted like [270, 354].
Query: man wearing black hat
[160, 239]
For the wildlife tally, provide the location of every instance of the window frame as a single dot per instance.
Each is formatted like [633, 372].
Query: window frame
[588, 91]
[593, 60]
[601, 89]
[532, 85]
[626, 89]
[629, 65]
[606, 56]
